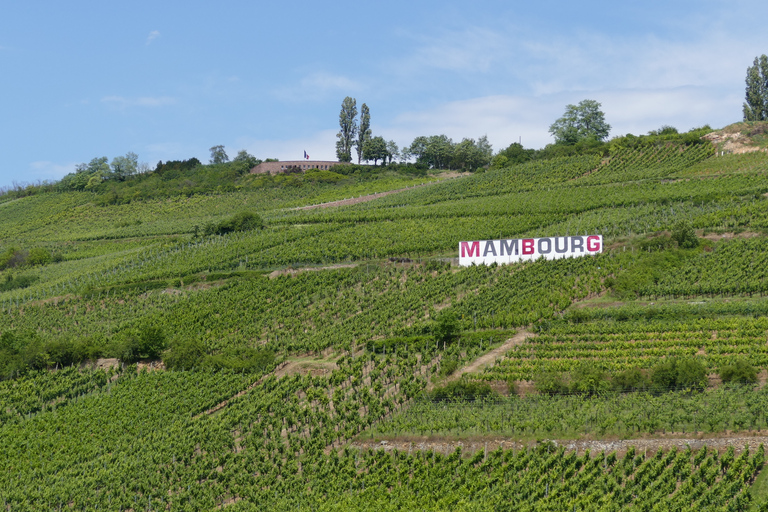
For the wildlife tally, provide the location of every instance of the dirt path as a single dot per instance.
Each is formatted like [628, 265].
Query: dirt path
[720, 443]
[223, 404]
[292, 271]
[369, 197]
[488, 359]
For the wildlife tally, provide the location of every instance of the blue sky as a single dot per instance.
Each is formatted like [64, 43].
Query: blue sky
[169, 79]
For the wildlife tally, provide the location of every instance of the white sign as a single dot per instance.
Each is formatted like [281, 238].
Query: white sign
[486, 252]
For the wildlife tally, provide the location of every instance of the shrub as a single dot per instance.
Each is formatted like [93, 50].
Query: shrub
[685, 236]
[445, 327]
[739, 371]
[679, 373]
[462, 390]
[39, 256]
[184, 355]
[243, 221]
[550, 383]
[589, 379]
[631, 379]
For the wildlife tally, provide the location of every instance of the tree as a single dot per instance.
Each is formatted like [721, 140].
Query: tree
[582, 121]
[435, 151]
[375, 149]
[364, 132]
[124, 166]
[684, 234]
[348, 125]
[515, 153]
[245, 161]
[218, 155]
[392, 150]
[469, 155]
[756, 104]
[445, 327]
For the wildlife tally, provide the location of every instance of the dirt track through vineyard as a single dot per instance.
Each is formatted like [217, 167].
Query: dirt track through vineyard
[369, 197]
[719, 442]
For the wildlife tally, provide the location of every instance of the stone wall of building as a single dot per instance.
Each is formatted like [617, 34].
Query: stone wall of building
[279, 167]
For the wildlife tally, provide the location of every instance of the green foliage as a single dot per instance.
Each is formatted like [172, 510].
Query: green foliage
[550, 383]
[364, 138]
[39, 256]
[739, 371]
[348, 129]
[462, 390]
[756, 102]
[242, 359]
[218, 155]
[242, 221]
[16, 282]
[582, 121]
[630, 379]
[185, 354]
[323, 176]
[445, 327]
[590, 379]
[679, 373]
[685, 236]
[375, 149]
[13, 257]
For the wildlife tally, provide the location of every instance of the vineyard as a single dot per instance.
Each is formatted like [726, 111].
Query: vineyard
[251, 365]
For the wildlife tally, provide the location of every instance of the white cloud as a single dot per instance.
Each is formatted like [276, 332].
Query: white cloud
[142, 101]
[152, 36]
[470, 50]
[318, 85]
[507, 118]
[319, 146]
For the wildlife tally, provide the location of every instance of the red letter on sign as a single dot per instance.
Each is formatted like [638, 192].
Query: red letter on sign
[528, 246]
[593, 243]
[474, 249]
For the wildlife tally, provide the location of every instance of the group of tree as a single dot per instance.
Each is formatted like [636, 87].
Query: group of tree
[440, 152]
[89, 176]
[359, 136]
[756, 101]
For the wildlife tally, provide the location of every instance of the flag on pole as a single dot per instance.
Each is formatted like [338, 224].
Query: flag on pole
[306, 156]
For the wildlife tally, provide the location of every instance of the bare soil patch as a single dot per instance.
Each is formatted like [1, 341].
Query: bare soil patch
[487, 359]
[371, 197]
[293, 271]
[305, 367]
[720, 442]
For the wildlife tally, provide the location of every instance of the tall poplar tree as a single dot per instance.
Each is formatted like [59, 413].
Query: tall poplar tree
[348, 124]
[756, 104]
[364, 133]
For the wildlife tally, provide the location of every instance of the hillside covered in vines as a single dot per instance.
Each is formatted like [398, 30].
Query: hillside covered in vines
[246, 345]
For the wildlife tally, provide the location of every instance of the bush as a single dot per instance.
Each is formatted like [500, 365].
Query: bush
[445, 327]
[184, 355]
[739, 371]
[39, 256]
[550, 383]
[685, 236]
[679, 373]
[243, 221]
[631, 379]
[589, 379]
[14, 283]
